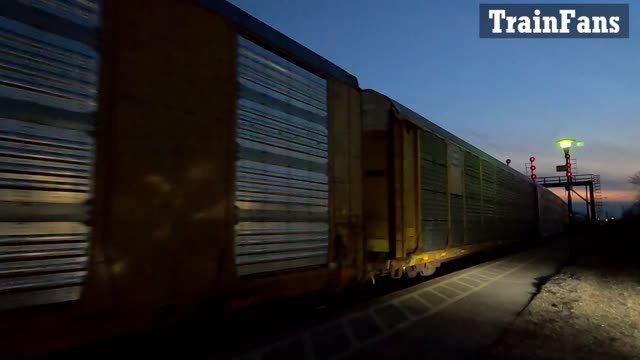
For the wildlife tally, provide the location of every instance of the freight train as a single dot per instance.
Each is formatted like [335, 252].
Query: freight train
[157, 156]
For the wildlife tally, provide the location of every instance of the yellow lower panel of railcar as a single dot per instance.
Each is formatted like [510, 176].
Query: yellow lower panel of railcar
[434, 256]
[448, 254]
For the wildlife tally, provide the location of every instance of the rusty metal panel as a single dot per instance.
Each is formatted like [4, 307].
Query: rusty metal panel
[346, 246]
[356, 177]
[48, 92]
[376, 188]
[282, 189]
[169, 133]
[455, 169]
[411, 207]
[407, 187]
[376, 111]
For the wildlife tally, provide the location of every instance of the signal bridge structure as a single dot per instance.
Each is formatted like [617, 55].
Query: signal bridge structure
[593, 190]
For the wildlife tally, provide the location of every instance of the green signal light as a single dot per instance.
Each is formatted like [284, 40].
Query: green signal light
[566, 143]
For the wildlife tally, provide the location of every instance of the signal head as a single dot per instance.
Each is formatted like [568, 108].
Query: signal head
[568, 164]
[533, 168]
[532, 159]
[569, 174]
[567, 156]
[508, 161]
[534, 176]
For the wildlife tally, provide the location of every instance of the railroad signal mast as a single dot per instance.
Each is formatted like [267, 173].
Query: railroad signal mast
[568, 166]
[565, 145]
[571, 180]
[532, 168]
[567, 156]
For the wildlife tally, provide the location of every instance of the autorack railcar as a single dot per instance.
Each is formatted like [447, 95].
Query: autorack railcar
[157, 156]
[431, 197]
[161, 155]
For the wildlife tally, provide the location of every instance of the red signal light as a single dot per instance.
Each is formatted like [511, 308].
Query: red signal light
[533, 168]
[568, 164]
[568, 173]
[508, 161]
[567, 156]
[532, 159]
[534, 176]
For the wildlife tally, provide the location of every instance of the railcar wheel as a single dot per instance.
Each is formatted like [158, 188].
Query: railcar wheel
[412, 271]
[427, 269]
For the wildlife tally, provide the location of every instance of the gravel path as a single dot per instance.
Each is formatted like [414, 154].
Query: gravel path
[590, 310]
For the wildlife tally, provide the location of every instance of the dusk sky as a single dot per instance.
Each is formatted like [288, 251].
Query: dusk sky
[512, 98]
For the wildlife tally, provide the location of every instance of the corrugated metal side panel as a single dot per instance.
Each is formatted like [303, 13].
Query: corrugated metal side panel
[504, 188]
[426, 124]
[496, 209]
[527, 218]
[282, 189]
[47, 69]
[434, 206]
[473, 200]
[48, 91]
[455, 167]
[40, 163]
[553, 213]
[268, 35]
[434, 177]
[518, 216]
[435, 235]
[489, 200]
[83, 12]
[457, 220]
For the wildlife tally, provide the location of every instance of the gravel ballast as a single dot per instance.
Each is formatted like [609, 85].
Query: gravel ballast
[589, 310]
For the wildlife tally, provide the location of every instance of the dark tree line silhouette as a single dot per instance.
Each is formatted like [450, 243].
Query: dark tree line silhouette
[633, 213]
[635, 179]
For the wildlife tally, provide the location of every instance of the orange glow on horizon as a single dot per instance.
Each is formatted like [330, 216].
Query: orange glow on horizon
[607, 195]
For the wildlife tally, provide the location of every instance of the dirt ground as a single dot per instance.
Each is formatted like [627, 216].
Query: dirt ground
[589, 310]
